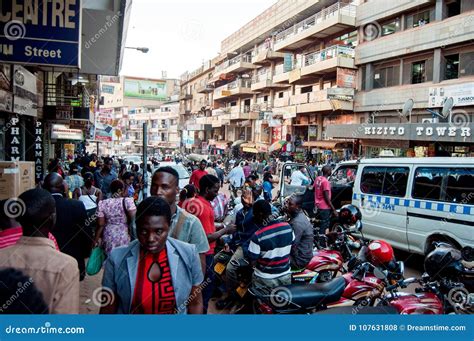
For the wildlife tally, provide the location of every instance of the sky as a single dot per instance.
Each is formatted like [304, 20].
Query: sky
[181, 34]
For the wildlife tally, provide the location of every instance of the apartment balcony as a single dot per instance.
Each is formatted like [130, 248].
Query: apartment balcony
[371, 11]
[239, 87]
[184, 97]
[437, 34]
[324, 100]
[239, 64]
[265, 81]
[205, 89]
[266, 55]
[244, 115]
[322, 62]
[281, 102]
[204, 120]
[334, 19]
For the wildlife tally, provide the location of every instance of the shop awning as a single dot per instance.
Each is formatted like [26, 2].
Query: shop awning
[250, 150]
[247, 145]
[238, 143]
[328, 144]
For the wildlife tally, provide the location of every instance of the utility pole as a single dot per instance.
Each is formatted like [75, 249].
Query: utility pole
[145, 158]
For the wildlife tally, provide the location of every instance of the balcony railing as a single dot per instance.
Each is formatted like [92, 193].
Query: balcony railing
[246, 58]
[239, 83]
[262, 77]
[329, 12]
[328, 53]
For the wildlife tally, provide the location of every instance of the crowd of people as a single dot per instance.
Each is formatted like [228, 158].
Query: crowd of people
[159, 250]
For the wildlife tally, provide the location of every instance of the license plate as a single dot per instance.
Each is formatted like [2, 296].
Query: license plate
[241, 291]
[219, 268]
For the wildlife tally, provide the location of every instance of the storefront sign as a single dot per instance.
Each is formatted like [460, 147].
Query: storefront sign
[63, 132]
[346, 78]
[108, 89]
[406, 131]
[39, 169]
[25, 100]
[6, 97]
[341, 94]
[462, 94]
[40, 32]
[276, 134]
[64, 112]
[14, 139]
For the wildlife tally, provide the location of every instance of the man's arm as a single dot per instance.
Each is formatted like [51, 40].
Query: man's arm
[328, 200]
[195, 305]
[109, 285]
[195, 302]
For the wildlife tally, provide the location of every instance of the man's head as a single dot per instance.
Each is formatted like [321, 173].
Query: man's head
[153, 221]
[202, 165]
[53, 183]
[293, 204]
[261, 212]
[128, 178]
[302, 168]
[326, 171]
[108, 163]
[88, 179]
[99, 164]
[252, 180]
[39, 215]
[209, 187]
[94, 157]
[257, 191]
[165, 184]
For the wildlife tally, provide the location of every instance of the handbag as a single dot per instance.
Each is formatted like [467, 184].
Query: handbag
[94, 264]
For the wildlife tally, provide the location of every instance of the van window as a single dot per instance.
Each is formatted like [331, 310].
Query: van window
[444, 184]
[343, 175]
[391, 181]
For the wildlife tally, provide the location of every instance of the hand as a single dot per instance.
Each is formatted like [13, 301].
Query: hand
[226, 248]
[334, 212]
[231, 229]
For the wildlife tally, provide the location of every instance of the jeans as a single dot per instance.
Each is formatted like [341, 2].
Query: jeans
[208, 284]
[231, 270]
[325, 217]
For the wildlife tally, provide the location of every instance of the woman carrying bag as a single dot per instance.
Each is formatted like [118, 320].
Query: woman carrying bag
[115, 216]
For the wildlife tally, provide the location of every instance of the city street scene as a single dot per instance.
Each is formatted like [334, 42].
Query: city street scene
[237, 157]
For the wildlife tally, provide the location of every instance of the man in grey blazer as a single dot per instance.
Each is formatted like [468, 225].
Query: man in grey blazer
[154, 274]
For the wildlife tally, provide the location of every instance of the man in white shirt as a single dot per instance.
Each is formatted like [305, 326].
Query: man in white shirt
[298, 178]
[236, 176]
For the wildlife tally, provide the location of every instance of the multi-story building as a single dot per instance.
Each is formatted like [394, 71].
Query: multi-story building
[132, 101]
[413, 56]
[280, 76]
[196, 103]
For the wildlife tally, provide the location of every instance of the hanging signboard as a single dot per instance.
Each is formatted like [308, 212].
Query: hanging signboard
[39, 169]
[104, 120]
[346, 78]
[41, 32]
[14, 138]
[25, 101]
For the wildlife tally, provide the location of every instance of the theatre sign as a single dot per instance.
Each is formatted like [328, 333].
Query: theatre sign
[408, 131]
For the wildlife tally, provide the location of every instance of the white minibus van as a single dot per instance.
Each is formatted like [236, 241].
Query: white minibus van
[412, 202]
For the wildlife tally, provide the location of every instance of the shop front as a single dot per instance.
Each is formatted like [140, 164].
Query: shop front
[409, 139]
[66, 141]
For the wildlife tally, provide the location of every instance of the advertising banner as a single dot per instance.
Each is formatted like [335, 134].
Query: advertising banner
[25, 100]
[145, 89]
[104, 120]
[462, 94]
[41, 32]
[346, 78]
[63, 132]
[6, 97]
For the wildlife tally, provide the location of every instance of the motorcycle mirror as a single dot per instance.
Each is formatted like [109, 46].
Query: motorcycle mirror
[401, 267]
[379, 274]
[467, 253]
[359, 225]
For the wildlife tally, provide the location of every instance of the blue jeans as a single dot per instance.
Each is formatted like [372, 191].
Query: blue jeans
[208, 284]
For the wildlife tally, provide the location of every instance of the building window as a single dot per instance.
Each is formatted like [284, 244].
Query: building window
[418, 72]
[306, 89]
[280, 95]
[385, 77]
[452, 67]
[265, 98]
[453, 7]
[421, 19]
[391, 27]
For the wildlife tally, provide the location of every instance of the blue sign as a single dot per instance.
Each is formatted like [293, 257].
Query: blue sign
[40, 32]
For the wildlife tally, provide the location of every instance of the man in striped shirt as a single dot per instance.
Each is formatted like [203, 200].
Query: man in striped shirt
[270, 249]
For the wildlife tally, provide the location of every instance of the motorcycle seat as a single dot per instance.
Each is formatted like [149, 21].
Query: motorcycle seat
[307, 296]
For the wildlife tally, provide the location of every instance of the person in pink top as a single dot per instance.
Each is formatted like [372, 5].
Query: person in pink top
[322, 198]
[247, 169]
